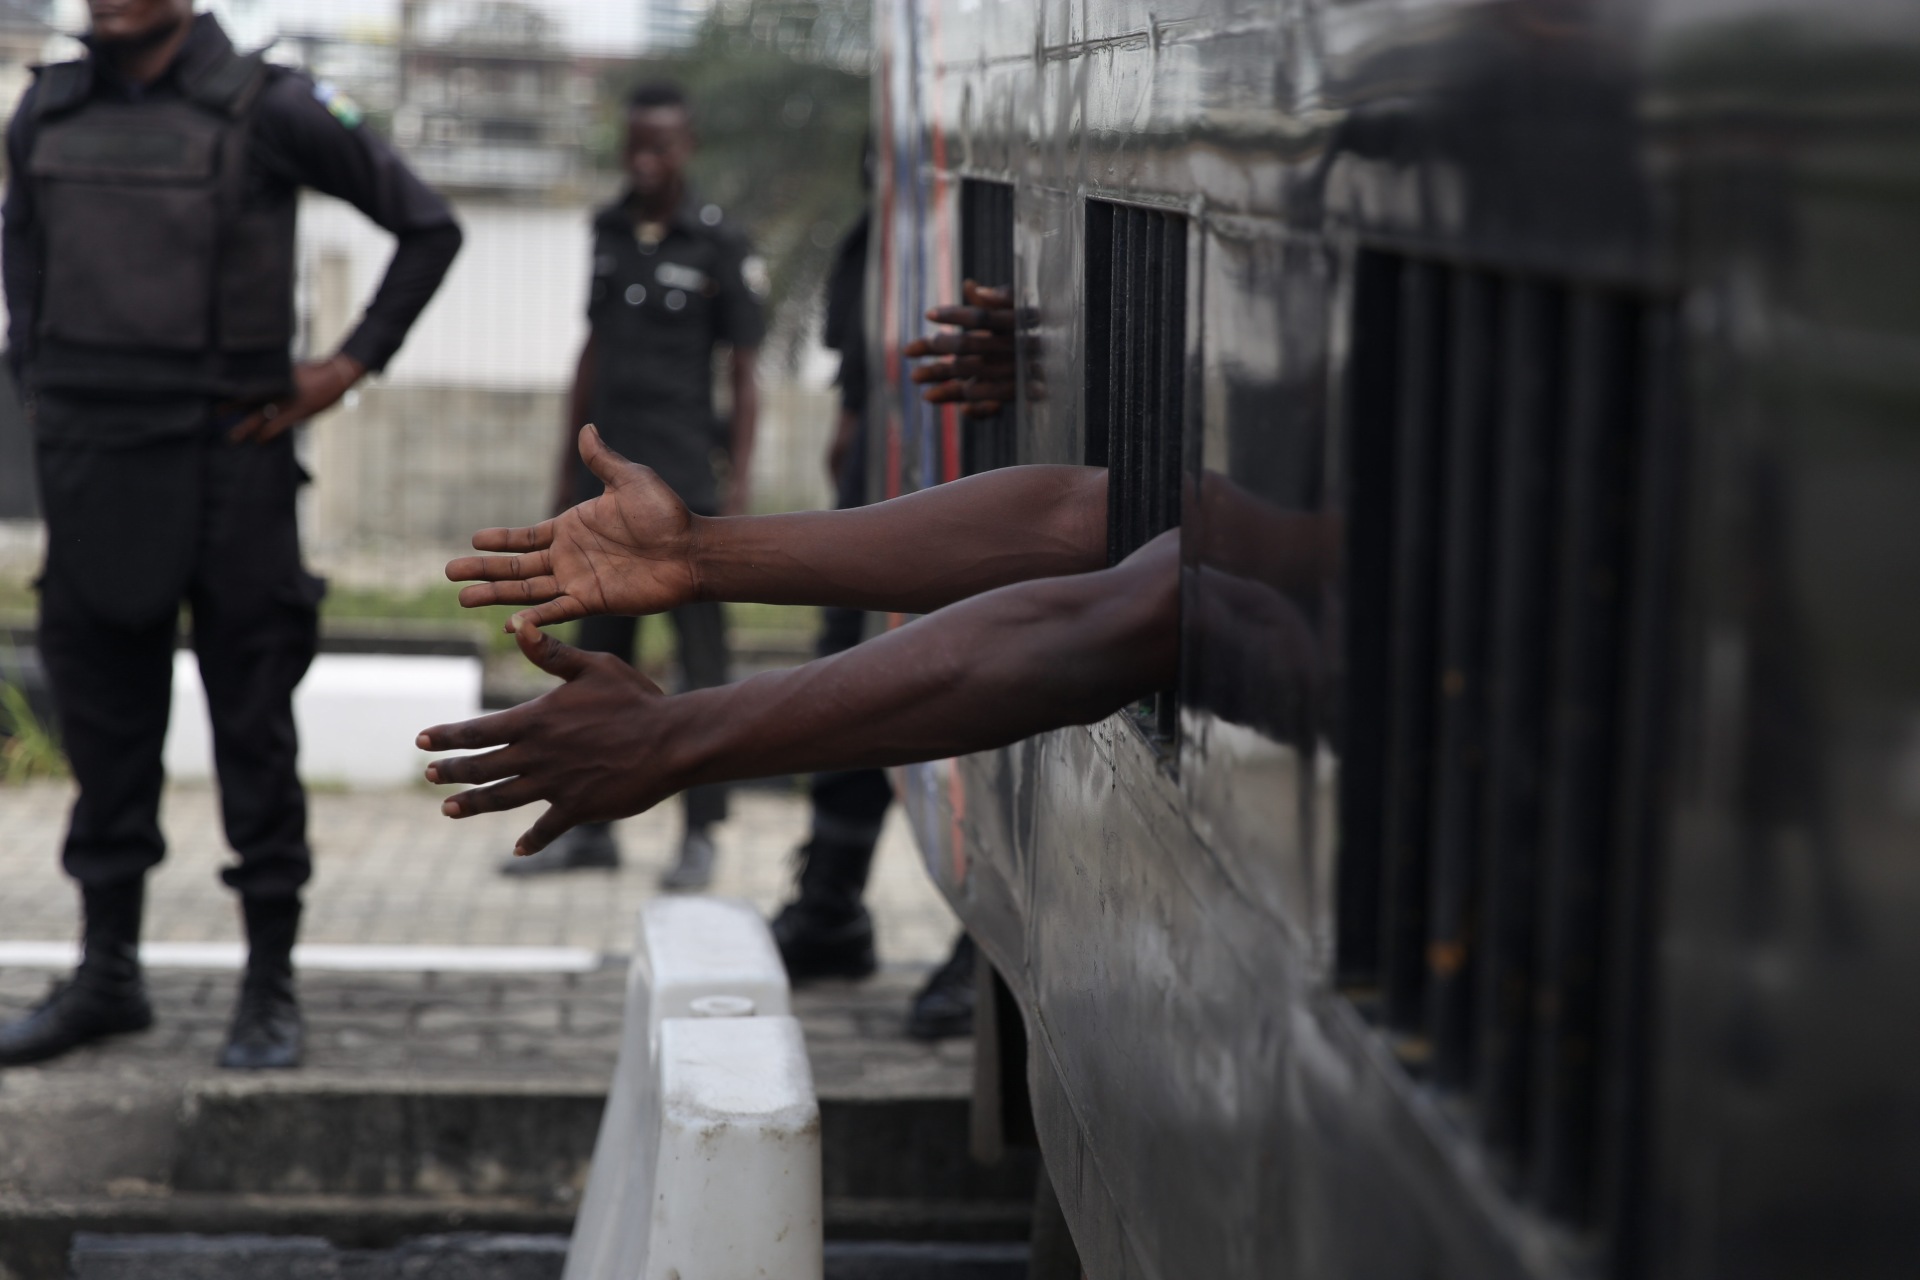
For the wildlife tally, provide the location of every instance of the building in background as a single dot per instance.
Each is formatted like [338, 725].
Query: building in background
[494, 102]
[489, 99]
[666, 25]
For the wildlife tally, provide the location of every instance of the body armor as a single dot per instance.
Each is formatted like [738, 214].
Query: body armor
[161, 274]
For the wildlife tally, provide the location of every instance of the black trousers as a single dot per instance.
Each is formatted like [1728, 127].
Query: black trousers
[700, 632]
[134, 531]
[849, 805]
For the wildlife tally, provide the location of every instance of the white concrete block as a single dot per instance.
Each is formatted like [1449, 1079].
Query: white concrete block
[738, 1191]
[357, 715]
[686, 950]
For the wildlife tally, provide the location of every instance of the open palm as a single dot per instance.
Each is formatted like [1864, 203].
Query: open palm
[628, 551]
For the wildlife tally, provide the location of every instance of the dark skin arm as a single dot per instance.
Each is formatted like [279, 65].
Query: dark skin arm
[636, 549]
[317, 387]
[983, 673]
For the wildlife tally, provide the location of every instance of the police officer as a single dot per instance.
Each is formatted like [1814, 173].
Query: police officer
[671, 281]
[149, 272]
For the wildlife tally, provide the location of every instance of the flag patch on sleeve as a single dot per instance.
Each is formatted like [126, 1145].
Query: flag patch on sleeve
[338, 105]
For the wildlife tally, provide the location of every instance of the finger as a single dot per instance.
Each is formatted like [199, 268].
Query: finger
[488, 767]
[247, 428]
[552, 613]
[547, 828]
[945, 393]
[600, 459]
[990, 319]
[982, 389]
[992, 297]
[500, 796]
[555, 657]
[970, 343]
[537, 537]
[525, 568]
[981, 408]
[938, 371]
[532, 591]
[470, 735]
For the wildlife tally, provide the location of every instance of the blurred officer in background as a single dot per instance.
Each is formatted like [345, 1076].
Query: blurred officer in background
[671, 281]
[826, 931]
[149, 272]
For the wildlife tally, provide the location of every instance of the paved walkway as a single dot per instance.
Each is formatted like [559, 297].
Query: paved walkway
[393, 872]
[389, 869]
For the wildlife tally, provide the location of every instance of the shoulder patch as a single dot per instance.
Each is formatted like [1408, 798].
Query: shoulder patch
[338, 104]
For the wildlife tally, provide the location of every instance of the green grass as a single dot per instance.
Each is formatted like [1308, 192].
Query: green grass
[30, 748]
[438, 608]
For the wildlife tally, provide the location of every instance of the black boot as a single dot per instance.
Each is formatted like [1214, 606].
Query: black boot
[268, 1033]
[105, 996]
[589, 846]
[944, 1007]
[826, 931]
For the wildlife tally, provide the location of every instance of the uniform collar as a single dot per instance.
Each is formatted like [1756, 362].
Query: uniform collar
[686, 217]
[206, 45]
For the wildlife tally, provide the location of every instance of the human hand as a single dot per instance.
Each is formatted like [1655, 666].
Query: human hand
[595, 749]
[977, 370]
[317, 387]
[628, 551]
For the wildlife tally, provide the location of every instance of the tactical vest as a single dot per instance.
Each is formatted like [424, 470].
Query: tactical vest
[158, 277]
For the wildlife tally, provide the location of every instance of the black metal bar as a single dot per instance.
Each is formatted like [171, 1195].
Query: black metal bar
[1460, 714]
[1633, 907]
[1366, 441]
[1419, 446]
[986, 257]
[1123, 440]
[1520, 611]
[1139, 425]
[1098, 313]
[1591, 564]
[1149, 310]
[1173, 409]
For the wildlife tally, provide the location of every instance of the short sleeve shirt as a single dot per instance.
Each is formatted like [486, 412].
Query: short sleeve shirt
[663, 296]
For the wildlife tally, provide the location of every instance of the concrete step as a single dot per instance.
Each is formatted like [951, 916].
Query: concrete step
[369, 1166]
[472, 1257]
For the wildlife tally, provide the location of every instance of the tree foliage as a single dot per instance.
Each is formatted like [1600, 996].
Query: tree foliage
[782, 122]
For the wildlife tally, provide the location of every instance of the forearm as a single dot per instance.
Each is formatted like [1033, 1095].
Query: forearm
[916, 553]
[420, 262]
[981, 674]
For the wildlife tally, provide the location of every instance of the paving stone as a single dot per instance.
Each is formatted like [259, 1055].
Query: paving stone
[389, 869]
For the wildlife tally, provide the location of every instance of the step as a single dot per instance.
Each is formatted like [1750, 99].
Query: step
[472, 1256]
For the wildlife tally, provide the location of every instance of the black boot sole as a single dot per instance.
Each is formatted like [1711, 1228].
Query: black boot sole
[846, 968]
[47, 1052]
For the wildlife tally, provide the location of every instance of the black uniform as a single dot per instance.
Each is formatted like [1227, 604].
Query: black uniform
[149, 265]
[661, 299]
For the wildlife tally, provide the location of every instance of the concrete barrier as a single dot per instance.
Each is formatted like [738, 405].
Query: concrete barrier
[686, 951]
[357, 715]
[737, 1177]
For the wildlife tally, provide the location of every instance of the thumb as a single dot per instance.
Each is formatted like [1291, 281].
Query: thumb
[600, 459]
[555, 657]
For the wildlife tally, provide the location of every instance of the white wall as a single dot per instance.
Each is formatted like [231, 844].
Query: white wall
[511, 313]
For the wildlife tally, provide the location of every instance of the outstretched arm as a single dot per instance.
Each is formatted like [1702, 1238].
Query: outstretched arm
[636, 549]
[983, 673]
